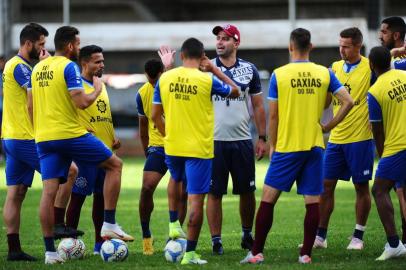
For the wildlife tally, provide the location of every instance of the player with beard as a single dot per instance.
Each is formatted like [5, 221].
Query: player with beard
[18, 133]
[97, 120]
[233, 148]
[392, 36]
[58, 92]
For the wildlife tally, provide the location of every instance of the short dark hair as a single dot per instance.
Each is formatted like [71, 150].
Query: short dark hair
[86, 52]
[301, 38]
[192, 48]
[65, 35]
[153, 67]
[354, 33]
[380, 57]
[32, 32]
[396, 24]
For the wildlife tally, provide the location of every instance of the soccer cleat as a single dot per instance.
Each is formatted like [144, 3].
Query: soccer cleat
[218, 249]
[320, 242]
[389, 252]
[251, 259]
[175, 230]
[148, 246]
[192, 257]
[53, 258]
[305, 259]
[356, 244]
[97, 247]
[110, 231]
[247, 242]
[20, 256]
[63, 231]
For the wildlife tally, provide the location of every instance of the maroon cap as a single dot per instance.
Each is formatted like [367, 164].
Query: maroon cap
[229, 29]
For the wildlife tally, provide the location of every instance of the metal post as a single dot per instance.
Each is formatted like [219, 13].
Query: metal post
[66, 12]
[292, 13]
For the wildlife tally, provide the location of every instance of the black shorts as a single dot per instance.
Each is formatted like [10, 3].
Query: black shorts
[236, 158]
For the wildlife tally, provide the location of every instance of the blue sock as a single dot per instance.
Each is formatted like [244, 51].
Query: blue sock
[146, 233]
[97, 246]
[49, 244]
[322, 232]
[246, 231]
[393, 241]
[191, 245]
[110, 216]
[216, 239]
[173, 216]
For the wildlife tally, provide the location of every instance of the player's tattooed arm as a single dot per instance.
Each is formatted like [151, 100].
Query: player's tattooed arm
[398, 52]
[347, 103]
[157, 117]
[30, 106]
[167, 56]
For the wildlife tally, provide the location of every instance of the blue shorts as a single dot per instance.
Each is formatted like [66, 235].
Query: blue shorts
[393, 168]
[89, 180]
[305, 167]
[235, 158]
[21, 161]
[196, 170]
[155, 160]
[351, 160]
[56, 156]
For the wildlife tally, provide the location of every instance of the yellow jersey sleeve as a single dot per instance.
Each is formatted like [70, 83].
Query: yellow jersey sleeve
[55, 115]
[301, 94]
[16, 123]
[97, 117]
[355, 126]
[185, 95]
[390, 93]
[144, 106]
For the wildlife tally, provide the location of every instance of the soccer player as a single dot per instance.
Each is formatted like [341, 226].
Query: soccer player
[184, 95]
[96, 119]
[349, 152]
[387, 113]
[57, 90]
[392, 36]
[18, 134]
[297, 95]
[155, 167]
[233, 147]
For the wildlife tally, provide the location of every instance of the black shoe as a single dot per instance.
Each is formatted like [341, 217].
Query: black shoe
[247, 242]
[62, 231]
[218, 249]
[20, 256]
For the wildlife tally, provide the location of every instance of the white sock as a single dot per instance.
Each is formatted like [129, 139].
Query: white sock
[360, 227]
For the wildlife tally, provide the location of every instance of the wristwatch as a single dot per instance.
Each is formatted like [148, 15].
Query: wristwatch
[262, 137]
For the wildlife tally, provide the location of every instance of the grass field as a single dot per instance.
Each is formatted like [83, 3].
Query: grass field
[281, 247]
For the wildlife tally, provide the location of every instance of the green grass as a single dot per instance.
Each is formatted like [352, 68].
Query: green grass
[281, 248]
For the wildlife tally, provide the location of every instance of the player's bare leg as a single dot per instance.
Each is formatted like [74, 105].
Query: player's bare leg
[111, 191]
[326, 209]
[182, 204]
[401, 193]
[150, 181]
[247, 214]
[381, 192]
[174, 193]
[11, 214]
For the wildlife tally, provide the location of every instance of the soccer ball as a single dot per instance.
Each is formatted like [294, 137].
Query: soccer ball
[175, 249]
[71, 249]
[114, 250]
